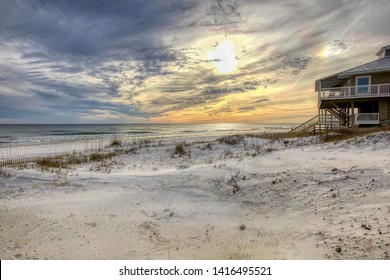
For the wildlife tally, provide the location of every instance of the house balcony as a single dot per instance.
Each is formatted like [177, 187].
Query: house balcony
[379, 90]
[360, 119]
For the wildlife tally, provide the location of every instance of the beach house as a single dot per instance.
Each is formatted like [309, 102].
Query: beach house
[359, 96]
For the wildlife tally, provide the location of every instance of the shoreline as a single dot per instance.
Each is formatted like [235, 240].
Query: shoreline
[259, 198]
[77, 137]
[25, 150]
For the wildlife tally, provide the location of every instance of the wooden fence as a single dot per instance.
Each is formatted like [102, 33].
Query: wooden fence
[27, 159]
[66, 158]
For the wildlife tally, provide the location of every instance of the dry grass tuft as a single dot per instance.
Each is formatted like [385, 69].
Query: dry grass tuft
[347, 133]
[46, 163]
[64, 161]
[180, 150]
[100, 156]
[231, 139]
[143, 142]
[208, 146]
[272, 136]
[270, 150]
[4, 173]
[115, 142]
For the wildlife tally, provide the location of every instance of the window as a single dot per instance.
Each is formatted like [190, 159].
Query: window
[387, 52]
[363, 84]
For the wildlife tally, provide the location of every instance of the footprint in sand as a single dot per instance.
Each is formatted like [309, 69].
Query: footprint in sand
[150, 230]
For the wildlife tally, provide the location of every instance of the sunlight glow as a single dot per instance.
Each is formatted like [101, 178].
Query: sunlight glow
[223, 57]
[329, 51]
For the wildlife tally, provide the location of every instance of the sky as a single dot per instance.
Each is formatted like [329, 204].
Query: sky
[178, 61]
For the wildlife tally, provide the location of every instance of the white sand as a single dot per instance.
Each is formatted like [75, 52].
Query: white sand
[301, 201]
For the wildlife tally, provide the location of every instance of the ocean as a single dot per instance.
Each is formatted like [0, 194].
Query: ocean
[25, 134]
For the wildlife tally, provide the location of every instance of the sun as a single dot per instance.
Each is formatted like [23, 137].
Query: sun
[326, 52]
[330, 51]
[224, 57]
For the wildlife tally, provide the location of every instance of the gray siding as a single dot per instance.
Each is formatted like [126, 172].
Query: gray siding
[382, 78]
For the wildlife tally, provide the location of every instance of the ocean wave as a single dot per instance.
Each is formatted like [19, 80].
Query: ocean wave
[79, 133]
[277, 127]
[41, 134]
[193, 131]
[137, 132]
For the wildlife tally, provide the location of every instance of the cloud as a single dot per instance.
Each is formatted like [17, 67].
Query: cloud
[296, 64]
[84, 28]
[220, 111]
[261, 100]
[140, 60]
[216, 13]
[246, 108]
[338, 45]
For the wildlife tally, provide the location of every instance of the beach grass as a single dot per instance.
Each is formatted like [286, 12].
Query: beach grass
[231, 139]
[4, 173]
[115, 142]
[64, 161]
[348, 133]
[180, 149]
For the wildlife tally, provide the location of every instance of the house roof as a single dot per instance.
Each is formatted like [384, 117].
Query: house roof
[376, 66]
[381, 65]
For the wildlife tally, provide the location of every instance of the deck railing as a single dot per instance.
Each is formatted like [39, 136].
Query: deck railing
[367, 118]
[355, 91]
[328, 119]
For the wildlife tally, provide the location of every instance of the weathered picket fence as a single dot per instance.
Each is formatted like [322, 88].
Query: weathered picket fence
[27, 159]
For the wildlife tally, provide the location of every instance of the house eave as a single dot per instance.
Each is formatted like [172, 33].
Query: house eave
[343, 76]
[333, 77]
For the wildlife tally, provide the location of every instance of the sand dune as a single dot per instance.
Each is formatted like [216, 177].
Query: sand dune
[258, 199]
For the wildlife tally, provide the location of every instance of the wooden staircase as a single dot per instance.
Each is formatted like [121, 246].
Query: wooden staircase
[305, 128]
[331, 117]
[336, 116]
